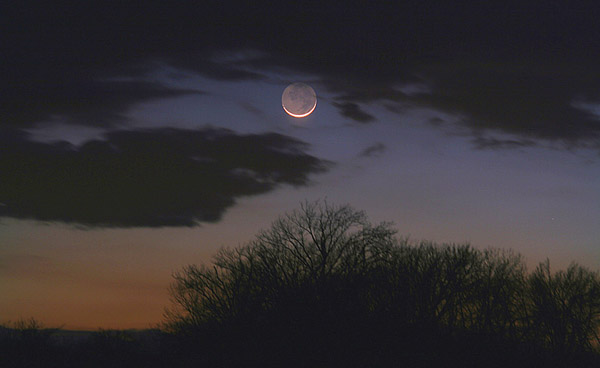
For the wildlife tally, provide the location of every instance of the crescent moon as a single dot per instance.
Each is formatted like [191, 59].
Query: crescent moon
[299, 100]
[301, 115]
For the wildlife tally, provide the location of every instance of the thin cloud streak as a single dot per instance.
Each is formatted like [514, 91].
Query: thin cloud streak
[374, 150]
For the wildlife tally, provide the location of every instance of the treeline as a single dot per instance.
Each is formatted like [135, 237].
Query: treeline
[323, 282]
[28, 343]
[323, 287]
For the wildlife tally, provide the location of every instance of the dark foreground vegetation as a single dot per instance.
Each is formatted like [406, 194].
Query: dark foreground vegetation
[324, 288]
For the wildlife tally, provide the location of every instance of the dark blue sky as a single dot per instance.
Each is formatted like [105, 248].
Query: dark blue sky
[135, 139]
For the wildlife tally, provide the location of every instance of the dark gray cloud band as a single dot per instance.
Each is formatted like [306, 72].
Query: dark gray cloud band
[515, 69]
[530, 101]
[151, 178]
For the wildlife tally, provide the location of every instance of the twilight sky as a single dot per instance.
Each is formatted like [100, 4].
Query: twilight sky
[141, 137]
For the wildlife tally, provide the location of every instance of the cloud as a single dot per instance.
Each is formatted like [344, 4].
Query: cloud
[528, 101]
[151, 178]
[81, 102]
[373, 150]
[494, 143]
[354, 112]
[513, 69]
[88, 65]
[533, 101]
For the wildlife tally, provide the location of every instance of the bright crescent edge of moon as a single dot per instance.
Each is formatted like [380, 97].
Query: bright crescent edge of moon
[302, 115]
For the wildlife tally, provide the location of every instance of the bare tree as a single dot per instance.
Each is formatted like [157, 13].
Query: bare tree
[564, 307]
[323, 276]
[304, 251]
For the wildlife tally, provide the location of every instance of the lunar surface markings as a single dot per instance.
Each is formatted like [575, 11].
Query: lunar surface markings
[299, 100]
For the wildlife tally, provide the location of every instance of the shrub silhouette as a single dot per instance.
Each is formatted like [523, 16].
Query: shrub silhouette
[324, 287]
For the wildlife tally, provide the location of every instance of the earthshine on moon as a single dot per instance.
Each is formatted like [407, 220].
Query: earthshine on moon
[299, 100]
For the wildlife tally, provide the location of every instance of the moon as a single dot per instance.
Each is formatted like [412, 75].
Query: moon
[299, 100]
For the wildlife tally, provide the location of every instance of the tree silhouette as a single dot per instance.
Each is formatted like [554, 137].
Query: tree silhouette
[304, 253]
[324, 281]
[565, 307]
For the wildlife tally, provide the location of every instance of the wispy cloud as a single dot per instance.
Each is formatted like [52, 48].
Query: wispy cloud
[353, 111]
[374, 150]
[494, 143]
